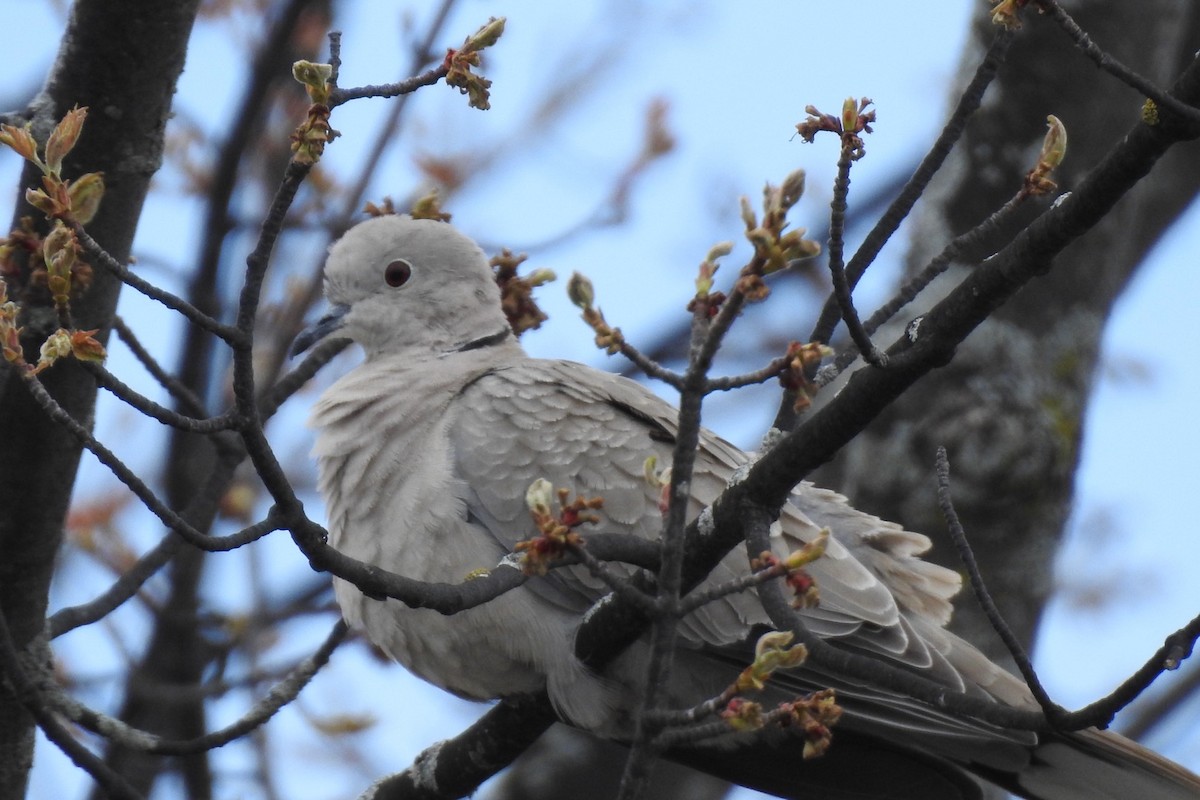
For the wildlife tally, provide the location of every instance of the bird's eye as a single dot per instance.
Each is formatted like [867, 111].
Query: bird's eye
[397, 273]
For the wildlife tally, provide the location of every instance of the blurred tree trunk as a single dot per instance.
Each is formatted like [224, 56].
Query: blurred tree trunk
[1010, 408]
[177, 652]
[121, 58]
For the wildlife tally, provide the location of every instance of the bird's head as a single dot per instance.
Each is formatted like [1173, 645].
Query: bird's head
[396, 283]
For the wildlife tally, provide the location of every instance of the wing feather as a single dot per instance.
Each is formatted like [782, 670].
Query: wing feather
[592, 432]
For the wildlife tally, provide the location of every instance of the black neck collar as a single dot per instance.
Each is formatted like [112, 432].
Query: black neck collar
[485, 341]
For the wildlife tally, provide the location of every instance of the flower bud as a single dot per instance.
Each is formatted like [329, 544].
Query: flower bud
[86, 192]
[748, 214]
[56, 346]
[849, 114]
[1054, 146]
[792, 189]
[63, 138]
[20, 140]
[486, 36]
[538, 496]
[580, 291]
[85, 347]
[315, 78]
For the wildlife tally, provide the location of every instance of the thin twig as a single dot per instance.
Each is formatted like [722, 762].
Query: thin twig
[335, 57]
[897, 212]
[245, 394]
[29, 696]
[97, 254]
[1110, 64]
[691, 716]
[1052, 710]
[339, 96]
[126, 586]
[841, 286]
[279, 695]
[149, 408]
[751, 580]
[968, 247]
[650, 367]
[156, 506]
[183, 395]
[292, 382]
[1176, 647]
[385, 137]
[786, 416]
[618, 583]
[706, 339]
[724, 384]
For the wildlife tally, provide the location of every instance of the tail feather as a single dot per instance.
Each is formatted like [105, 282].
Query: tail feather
[1100, 765]
[889, 747]
[1089, 765]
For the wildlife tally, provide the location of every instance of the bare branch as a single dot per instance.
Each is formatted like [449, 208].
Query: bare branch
[407, 86]
[149, 408]
[841, 286]
[1051, 709]
[144, 493]
[99, 255]
[68, 619]
[181, 393]
[28, 695]
[456, 767]
[1107, 62]
[284, 692]
[968, 103]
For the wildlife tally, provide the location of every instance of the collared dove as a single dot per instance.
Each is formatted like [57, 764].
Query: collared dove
[425, 454]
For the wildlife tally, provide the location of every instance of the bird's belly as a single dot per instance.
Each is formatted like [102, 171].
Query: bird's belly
[477, 654]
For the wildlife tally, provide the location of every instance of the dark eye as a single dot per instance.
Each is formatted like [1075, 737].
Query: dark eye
[397, 273]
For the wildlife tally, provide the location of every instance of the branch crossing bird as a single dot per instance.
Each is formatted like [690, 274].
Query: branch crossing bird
[426, 451]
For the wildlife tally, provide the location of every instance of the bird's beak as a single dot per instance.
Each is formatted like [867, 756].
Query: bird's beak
[314, 333]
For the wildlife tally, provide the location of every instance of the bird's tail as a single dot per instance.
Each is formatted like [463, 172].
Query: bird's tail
[1098, 765]
[1089, 765]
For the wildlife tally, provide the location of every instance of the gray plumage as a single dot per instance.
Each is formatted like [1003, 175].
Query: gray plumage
[426, 451]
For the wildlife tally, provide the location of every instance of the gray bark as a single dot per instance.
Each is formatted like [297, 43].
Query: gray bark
[1010, 407]
[121, 59]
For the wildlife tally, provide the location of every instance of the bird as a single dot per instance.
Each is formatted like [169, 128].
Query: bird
[426, 451]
